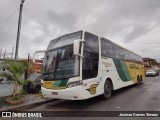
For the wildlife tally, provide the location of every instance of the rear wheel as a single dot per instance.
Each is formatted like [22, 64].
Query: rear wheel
[139, 80]
[107, 90]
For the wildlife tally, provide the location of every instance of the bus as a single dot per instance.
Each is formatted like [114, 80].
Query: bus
[82, 65]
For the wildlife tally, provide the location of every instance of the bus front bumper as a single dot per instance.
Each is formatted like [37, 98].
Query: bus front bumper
[73, 93]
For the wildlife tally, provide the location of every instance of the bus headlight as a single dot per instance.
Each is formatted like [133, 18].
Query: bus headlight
[42, 83]
[73, 84]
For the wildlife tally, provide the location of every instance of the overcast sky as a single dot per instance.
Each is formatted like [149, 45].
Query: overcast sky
[134, 24]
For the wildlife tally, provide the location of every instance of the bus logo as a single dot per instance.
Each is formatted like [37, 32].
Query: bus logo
[48, 84]
[106, 64]
[133, 66]
[92, 89]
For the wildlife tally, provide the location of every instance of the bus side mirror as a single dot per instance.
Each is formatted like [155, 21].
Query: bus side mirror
[76, 46]
[63, 54]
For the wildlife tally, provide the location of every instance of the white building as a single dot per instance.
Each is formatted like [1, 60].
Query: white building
[2, 70]
[6, 88]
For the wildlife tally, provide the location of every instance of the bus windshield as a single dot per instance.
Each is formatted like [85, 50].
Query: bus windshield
[64, 40]
[60, 64]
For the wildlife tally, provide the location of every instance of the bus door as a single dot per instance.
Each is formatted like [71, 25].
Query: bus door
[90, 72]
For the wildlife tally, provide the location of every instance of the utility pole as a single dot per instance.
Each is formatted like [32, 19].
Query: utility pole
[19, 28]
[28, 57]
[12, 52]
[26, 71]
[0, 53]
[4, 55]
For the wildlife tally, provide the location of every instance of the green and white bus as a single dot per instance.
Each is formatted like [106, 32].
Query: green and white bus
[82, 65]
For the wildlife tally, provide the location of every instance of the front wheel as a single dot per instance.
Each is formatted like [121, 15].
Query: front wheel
[107, 90]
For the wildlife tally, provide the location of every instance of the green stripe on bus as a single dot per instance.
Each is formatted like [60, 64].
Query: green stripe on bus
[126, 71]
[122, 70]
[57, 83]
[63, 83]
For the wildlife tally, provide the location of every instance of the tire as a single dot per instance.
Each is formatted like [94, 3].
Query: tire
[139, 80]
[107, 90]
[37, 89]
[153, 75]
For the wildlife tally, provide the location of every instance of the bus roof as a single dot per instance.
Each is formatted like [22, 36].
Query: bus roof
[113, 43]
[99, 37]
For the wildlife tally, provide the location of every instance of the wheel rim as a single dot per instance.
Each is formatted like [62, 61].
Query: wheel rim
[107, 89]
[139, 80]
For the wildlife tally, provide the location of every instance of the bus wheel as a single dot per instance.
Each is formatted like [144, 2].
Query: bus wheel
[139, 80]
[107, 90]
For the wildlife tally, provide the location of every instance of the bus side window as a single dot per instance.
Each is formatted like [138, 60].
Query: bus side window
[116, 53]
[106, 49]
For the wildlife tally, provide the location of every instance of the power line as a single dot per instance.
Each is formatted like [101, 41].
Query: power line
[2, 26]
[9, 15]
[7, 19]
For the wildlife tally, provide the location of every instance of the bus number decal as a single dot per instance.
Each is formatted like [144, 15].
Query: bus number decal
[106, 64]
[133, 66]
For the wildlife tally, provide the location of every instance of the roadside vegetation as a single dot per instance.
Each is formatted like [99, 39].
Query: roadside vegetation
[14, 75]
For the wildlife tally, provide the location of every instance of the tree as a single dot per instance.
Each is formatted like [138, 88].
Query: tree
[31, 68]
[15, 71]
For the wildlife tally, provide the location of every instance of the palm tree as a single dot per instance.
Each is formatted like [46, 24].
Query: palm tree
[15, 71]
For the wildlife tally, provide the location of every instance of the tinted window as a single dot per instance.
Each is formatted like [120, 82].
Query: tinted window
[120, 51]
[64, 40]
[91, 43]
[132, 57]
[126, 55]
[106, 48]
[90, 65]
[60, 63]
[91, 57]
[116, 52]
[129, 55]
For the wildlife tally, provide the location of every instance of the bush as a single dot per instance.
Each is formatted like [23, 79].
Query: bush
[28, 86]
[31, 87]
[23, 92]
[37, 88]
[15, 71]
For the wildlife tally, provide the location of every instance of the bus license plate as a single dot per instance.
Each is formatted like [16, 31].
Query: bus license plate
[54, 93]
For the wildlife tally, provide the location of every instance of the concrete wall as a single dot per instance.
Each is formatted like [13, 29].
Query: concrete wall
[2, 79]
[6, 89]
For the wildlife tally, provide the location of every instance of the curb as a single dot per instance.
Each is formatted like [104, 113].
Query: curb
[26, 106]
